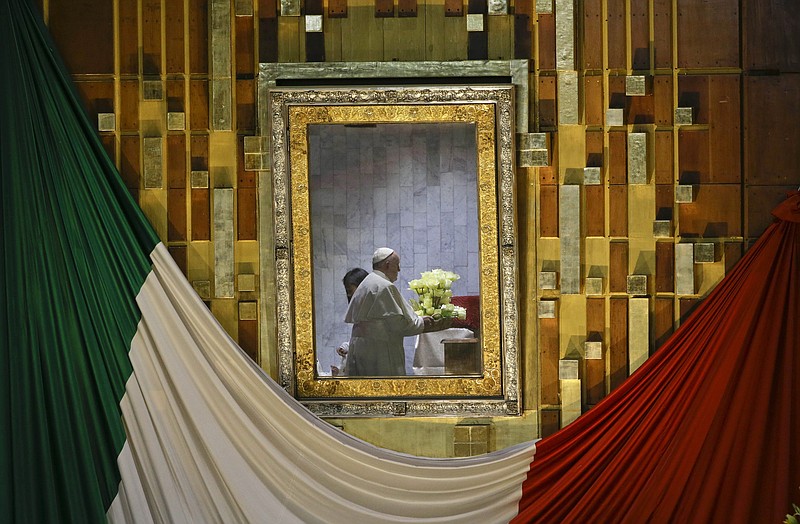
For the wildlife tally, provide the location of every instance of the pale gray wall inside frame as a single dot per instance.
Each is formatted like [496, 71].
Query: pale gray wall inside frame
[411, 187]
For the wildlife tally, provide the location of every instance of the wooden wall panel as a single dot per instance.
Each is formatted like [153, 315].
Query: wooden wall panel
[548, 211]
[109, 142]
[617, 211]
[772, 30]
[595, 368]
[663, 100]
[550, 423]
[199, 152]
[616, 93]
[130, 164]
[198, 103]
[246, 106]
[662, 33]
[595, 210]
[128, 40]
[693, 156]
[549, 356]
[245, 46]
[618, 342]
[547, 41]
[592, 34]
[687, 306]
[176, 161]
[247, 214]
[248, 338]
[617, 157]
[151, 37]
[594, 105]
[640, 34]
[664, 157]
[268, 27]
[179, 255]
[594, 149]
[700, 47]
[693, 92]
[548, 175]
[523, 37]
[665, 267]
[618, 267]
[201, 217]
[663, 320]
[176, 215]
[547, 102]
[84, 30]
[617, 37]
[772, 141]
[725, 129]
[97, 97]
[760, 201]
[716, 212]
[175, 42]
[176, 95]
[665, 201]
[733, 253]
[244, 177]
[129, 105]
[198, 36]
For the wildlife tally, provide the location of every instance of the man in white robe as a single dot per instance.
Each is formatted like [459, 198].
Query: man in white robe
[381, 317]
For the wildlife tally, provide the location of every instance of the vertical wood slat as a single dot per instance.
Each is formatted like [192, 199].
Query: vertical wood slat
[128, 39]
[618, 211]
[176, 215]
[151, 37]
[315, 42]
[130, 163]
[725, 129]
[201, 214]
[593, 100]
[595, 210]
[594, 149]
[663, 320]
[665, 201]
[198, 36]
[199, 152]
[595, 368]
[665, 267]
[198, 99]
[640, 34]
[693, 156]
[618, 268]
[662, 99]
[547, 102]
[129, 105]
[548, 211]
[617, 157]
[245, 46]
[618, 342]
[662, 33]
[664, 158]
[268, 30]
[593, 34]
[733, 253]
[617, 38]
[248, 338]
[179, 255]
[523, 37]
[244, 177]
[547, 41]
[246, 105]
[693, 92]
[176, 161]
[176, 95]
[174, 52]
[549, 357]
[551, 422]
[246, 210]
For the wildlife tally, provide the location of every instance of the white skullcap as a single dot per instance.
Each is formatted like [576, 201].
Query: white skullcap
[381, 254]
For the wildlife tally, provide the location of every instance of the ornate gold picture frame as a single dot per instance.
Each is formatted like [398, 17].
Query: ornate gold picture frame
[292, 111]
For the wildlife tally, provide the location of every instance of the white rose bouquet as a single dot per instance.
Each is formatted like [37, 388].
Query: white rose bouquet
[433, 292]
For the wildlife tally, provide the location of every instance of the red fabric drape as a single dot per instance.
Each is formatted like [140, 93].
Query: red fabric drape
[709, 427]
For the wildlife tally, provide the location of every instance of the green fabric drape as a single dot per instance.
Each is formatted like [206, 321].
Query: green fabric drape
[74, 254]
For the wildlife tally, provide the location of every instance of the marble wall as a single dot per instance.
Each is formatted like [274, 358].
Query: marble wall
[411, 187]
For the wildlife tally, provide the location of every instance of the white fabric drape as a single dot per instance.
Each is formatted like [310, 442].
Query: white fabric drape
[212, 439]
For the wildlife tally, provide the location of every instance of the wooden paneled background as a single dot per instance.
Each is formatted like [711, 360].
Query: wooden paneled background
[734, 64]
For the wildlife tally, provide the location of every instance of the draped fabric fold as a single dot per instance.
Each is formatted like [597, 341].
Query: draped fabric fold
[708, 427]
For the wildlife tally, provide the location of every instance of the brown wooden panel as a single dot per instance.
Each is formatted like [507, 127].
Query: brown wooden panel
[97, 97]
[199, 152]
[772, 30]
[128, 39]
[664, 157]
[176, 215]
[198, 105]
[665, 267]
[84, 33]
[176, 161]
[616, 92]
[406, 8]
[151, 37]
[247, 220]
[129, 105]
[548, 211]
[665, 201]
[198, 36]
[662, 33]
[246, 105]
[594, 149]
[618, 342]
[772, 134]
[549, 356]
[592, 34]
[698, 46]
[725, 129]
[268, 28]
[733, 253]
[716, 212]
[179, 255]
[693, 156]
[663, 320]
[640, 109]
[640, 34]
[595, 210]
[173, 28]
[618, 211]
[245, 45]
[523, 36]
[244, 178]
[618, 267]
[384, 8]
[693, 92]
[130, 164]
[760, 201]
[201, 218]
[595, 368]
[547, 41]
[549, 174]
[662, 94]
[687, 306]
[617, 37]
[547, 101]
[551, 422]
[338, 8]
[594, 105]
[109, 142]
[176, 95]
[248, 338]
[617, 157]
